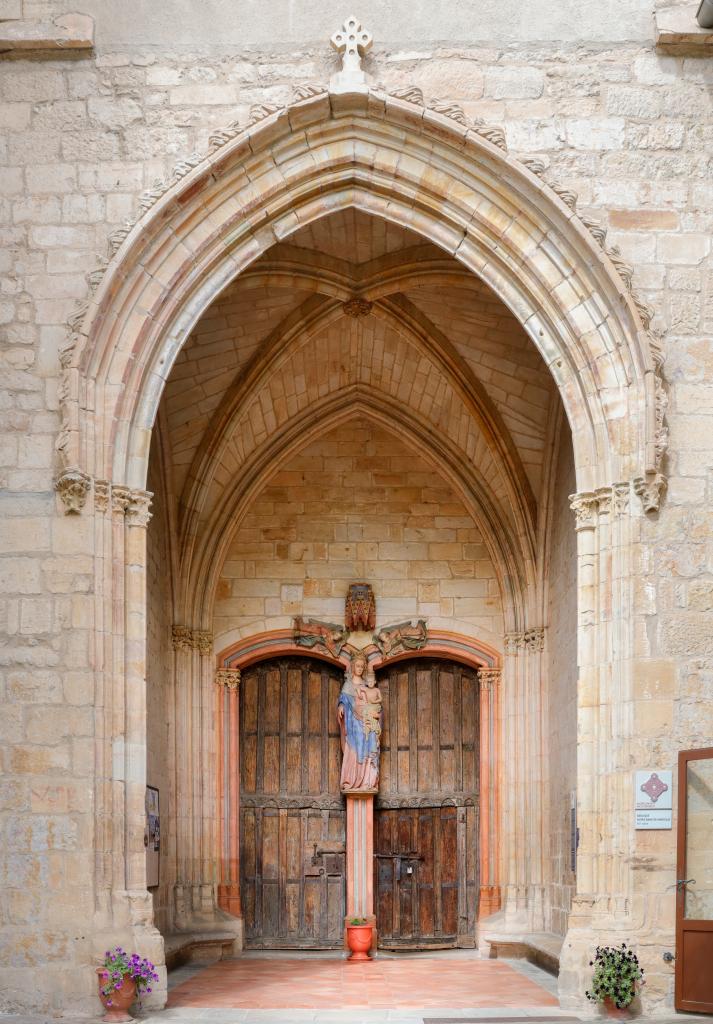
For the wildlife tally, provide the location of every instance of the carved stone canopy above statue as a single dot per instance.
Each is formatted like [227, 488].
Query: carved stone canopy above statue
[360, 610]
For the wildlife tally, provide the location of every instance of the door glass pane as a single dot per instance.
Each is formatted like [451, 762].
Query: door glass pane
[699, 840]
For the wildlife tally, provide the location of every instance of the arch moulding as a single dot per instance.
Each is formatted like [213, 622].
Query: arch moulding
[390, 156]
[450, 181]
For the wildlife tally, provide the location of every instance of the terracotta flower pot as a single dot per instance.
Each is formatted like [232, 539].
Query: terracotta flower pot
[121, 998]
[359, 942]
[614, 1011]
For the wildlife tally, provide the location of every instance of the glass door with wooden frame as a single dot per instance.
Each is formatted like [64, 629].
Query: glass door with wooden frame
[694, 882]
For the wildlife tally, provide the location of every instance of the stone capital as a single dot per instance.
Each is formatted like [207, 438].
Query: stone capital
[182, 638]
[489, 678]
[120, 499]
[228, 678]
[138, 511]
[585, 506]
[203, 641]
[102, 495]
[527, 641]
[185, 639]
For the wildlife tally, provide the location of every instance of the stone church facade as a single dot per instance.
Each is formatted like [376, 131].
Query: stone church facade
[431, 311]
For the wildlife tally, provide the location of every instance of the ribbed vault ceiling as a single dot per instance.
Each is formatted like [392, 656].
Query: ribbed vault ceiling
[493, 394]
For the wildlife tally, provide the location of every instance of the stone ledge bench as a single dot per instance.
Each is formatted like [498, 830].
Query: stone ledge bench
[197, 947]
[540, 948]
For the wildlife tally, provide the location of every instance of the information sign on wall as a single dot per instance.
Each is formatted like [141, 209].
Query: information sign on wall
[653, 800]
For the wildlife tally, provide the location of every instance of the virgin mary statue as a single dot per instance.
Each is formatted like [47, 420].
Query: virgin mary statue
[359, 715]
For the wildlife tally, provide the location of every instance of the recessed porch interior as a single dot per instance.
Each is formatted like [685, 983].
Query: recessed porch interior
[358, 406]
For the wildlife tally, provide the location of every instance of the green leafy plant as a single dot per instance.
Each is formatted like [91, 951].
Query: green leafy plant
[616, 973]
[357, 921]
[118, 964]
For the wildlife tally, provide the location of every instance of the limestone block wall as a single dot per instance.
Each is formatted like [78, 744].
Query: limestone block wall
[626, 128]
[357, 505]
[561, 687]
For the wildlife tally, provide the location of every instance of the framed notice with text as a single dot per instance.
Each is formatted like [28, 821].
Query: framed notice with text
[653, 800]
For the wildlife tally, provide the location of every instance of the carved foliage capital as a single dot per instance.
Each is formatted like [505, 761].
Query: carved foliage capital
[589, 506]
[489, 677]
[185, 639]
[102, 495]
[203, 641]
[73, 487]
[182, 638]
[120, 499]
[528, 641]
[585, 507]
[228, 677]
[139, 508]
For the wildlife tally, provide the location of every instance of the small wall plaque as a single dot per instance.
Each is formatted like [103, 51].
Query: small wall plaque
[653, 800]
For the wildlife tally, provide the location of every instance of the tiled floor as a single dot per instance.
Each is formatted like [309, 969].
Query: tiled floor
[330, 983]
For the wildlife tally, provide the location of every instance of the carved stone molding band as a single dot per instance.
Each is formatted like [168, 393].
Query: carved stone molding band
[228, 677]
[531, 641]
[185, 639]
[73, 487]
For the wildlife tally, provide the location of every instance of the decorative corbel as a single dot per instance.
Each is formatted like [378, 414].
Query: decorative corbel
[650, 489]
[73, 487]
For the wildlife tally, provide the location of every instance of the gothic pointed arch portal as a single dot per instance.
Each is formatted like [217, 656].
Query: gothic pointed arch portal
[453, 184]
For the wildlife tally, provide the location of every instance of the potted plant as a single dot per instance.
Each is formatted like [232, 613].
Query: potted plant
[123, 977]
[616, 973]
[359, 934]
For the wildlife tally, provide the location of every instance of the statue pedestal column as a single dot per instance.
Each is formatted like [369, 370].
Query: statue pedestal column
[360, 859]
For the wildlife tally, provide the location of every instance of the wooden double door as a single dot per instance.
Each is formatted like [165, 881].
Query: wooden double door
[292, 815]
[426, 816]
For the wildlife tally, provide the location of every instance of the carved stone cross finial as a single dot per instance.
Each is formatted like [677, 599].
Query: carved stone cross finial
[352, 41]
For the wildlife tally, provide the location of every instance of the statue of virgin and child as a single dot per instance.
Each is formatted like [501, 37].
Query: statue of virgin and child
[359, 715]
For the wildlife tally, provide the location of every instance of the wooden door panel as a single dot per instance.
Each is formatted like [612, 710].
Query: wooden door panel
[422, 898]
[292, 834]
[428, 805]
